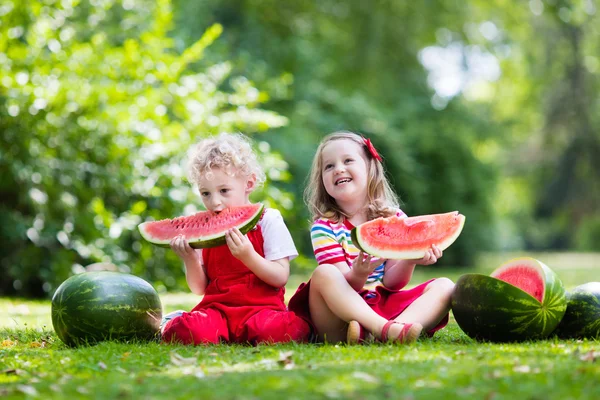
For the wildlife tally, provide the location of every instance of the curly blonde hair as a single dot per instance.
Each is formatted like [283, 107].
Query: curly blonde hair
[382, 200]
[230, 152]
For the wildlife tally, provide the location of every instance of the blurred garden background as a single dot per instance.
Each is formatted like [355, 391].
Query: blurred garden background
[486, 107]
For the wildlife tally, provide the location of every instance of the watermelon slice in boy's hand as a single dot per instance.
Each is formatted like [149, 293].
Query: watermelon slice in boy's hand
[203, 229]
[407, 238]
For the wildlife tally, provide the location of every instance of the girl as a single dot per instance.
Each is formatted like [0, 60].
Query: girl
[243, 280]
[347, 186]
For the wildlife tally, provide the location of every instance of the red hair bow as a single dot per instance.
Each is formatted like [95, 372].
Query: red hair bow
[371, 149]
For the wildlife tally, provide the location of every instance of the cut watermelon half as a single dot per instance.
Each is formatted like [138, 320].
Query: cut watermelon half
[203, 229]
[408, 237]
[528, 274]
[522, 299]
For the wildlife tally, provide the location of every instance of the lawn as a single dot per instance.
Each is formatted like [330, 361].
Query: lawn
[34, 363]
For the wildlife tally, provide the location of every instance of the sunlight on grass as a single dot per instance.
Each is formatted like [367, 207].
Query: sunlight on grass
[35, 363]
[21, 314]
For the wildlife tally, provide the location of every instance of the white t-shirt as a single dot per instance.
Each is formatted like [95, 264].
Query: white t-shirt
[278, 242]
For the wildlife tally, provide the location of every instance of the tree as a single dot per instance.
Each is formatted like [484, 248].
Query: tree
[355, 66]
[96, 125]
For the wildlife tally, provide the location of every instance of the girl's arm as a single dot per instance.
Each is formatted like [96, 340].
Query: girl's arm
[274, 273]
[362, 267]
[192, 259]
[329, 251]
[399, 272]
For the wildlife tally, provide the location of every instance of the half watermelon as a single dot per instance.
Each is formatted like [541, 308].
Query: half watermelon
[407, 237]
[203, 229]
[522, 299]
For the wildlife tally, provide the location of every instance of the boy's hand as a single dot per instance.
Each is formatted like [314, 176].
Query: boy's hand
[182, 248]
[364, 264]
[239, 245]
[431, 256]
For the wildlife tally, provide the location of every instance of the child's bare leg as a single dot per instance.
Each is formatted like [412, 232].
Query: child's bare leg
[333, 303]
[432, 306]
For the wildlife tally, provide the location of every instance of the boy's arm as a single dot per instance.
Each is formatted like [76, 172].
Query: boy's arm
[196, 276]
[192, 259]
[278, 250]
[274, 273]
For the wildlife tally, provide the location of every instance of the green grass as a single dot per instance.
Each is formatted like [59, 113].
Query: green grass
[34, 363]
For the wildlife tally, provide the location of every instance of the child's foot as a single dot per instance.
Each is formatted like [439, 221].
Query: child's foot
[405, 332]
[166, 318]
[357, 333]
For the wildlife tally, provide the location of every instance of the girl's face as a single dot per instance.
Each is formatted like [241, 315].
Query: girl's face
[223, 190]
[345, 173]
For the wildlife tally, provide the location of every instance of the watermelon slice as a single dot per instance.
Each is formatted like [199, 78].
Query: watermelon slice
[522, 299]
[582, 319]
[203, 229]
[407, 237]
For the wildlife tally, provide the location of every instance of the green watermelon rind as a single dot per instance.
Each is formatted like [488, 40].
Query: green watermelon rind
[135, 314]
[363, 244]
[489, 309]
[214, 240]
[582, 318]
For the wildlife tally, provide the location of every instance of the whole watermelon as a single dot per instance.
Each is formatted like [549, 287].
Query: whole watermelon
[94, 306]
[521, 300]
[582, 319]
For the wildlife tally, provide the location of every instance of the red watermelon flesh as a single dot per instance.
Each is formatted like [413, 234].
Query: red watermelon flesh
[526, 276]
[203, 229]
[408, 237]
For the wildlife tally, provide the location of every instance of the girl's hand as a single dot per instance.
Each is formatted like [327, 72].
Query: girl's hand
[431, 256]
[182, 248]
[239, 245]
[364, 264]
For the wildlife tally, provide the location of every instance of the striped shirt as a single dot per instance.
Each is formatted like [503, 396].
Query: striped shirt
[332, 243]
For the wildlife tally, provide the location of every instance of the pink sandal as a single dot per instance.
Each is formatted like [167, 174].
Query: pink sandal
[408, 334]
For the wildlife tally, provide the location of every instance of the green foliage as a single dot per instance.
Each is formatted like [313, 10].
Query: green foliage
[355, 68]
[99, 102]
[96, 125]
[588, 234]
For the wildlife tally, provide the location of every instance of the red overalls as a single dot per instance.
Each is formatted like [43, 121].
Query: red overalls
[237, 306]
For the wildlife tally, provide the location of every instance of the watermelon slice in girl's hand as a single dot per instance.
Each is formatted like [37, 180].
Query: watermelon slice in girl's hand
[203, 229]
[522, 299]
[407, 238]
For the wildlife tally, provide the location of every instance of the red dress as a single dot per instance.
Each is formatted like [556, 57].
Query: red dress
[237, 306]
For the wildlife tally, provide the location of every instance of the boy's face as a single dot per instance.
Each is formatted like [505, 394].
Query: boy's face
[220, 190]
